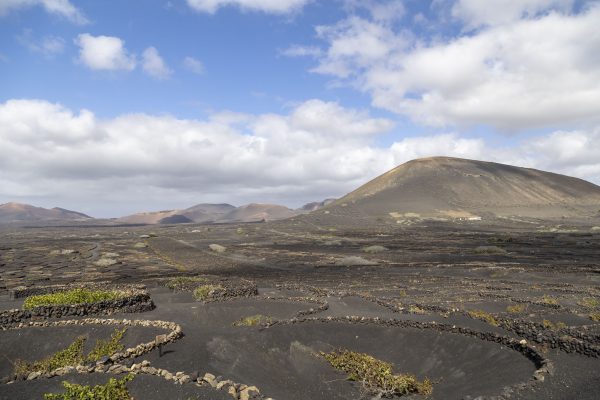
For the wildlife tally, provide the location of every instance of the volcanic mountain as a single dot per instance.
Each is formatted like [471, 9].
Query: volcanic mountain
[458, 188]
[17, 212]
[207, 213]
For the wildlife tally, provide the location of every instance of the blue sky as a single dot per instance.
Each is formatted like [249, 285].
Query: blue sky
[284, 101]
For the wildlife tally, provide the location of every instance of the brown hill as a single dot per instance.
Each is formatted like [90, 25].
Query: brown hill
[17, 212]
[459, 188]
[258, 212]
[207, 213]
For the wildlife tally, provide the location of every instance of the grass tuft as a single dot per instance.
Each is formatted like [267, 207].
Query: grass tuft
[553, 326]
[107, 347]
[72, 355]
[114, 389]
[182, 281]
[549, 300]
[376, 376]
[74, 296]
[253, 320]
[484, 316]
[515, 309]
[595, 316]
[205, 291]
[589, 302]
[489, 250]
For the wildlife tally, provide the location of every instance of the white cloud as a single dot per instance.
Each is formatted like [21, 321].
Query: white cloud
[302, 51]
[319, 149]
[316, 149]
[385, 11]
[154, 65]
[64, 8]
[48, 45]
[193, 65]
[267, 6]
[539, 72]
[476, 13]
[104, 53]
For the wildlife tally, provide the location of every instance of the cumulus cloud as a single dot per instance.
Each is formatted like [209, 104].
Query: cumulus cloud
[193, 65]
[267, 6]
[104, 53]
[154, 65]
[477, 13]
[531, 72]
[63, 8]
[315, 149]
[318, 149]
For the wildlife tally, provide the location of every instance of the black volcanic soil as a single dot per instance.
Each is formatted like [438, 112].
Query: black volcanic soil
[428, 272]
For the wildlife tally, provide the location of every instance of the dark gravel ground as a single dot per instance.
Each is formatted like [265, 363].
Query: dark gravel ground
[433, 265]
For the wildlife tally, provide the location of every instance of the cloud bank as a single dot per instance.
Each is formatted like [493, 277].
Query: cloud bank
[529, 66]
[318, 149]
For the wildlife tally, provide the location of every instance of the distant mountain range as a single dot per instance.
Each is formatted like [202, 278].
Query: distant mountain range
[200, 213]
[439, 187]
[17, 212]
[212, 213]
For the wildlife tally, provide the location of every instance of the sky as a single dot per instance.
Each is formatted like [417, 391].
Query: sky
[114, 107]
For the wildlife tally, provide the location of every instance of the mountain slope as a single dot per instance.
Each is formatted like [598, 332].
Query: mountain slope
[17, 212]
[454, 188]
[258, 212]
[223, 213]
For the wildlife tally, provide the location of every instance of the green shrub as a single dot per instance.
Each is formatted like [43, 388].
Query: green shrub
[182, 281]
[107, 347]
[253, 320]
[553, 326]
[414, 309]
[589, 302]
[549, 300]
[377, 376]
[114, 389]
[484, 316]
[595, 316]
[516, 309]
[73, 296]
[205, 291]
[72, 355]
[489, 250]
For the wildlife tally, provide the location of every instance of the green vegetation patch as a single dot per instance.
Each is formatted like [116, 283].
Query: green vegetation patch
[107, 347]
[552, 325]
[595, 316]
[549, 300]
[484, 316]
[253, 320]
[414, 309]
[206, 291]
[589, 302]
[516, 309]
[181, 282]
[489, 250]
[73, 354]
[73, 296]
[377, 376]
[114, 389]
